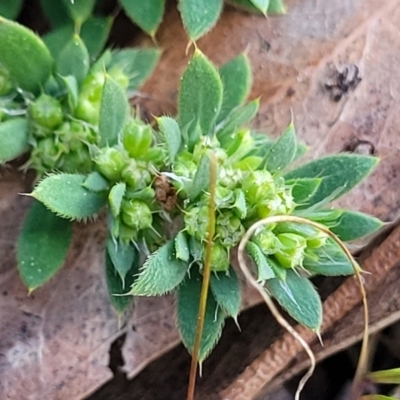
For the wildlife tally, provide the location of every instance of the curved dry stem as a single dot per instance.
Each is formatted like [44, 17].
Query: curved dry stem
[362, 362]
[206, 279]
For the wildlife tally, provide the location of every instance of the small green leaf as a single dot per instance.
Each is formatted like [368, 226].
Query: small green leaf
[94, 33]
[20, 47]
[10, 8]
[226, 290]
[13, 138]
[261, 5]
[236, 81]
[303, 188]
[201, 180]
[182, 247]
[65, 195]
[56, 39]
[328, 260]
[239, 206]
[276, 7]
[299, 298]
[283, 152]
[200, 96]
[95, 182]
[122, 256]
[71, 85]
[188, 298]
[79, 10]
[238, 118]
[56, 12]
[161, 273]
[265, 271]
[354, 225]
[117, 287]
[42, 245]
[339, 174]
[114, 111]
[388, 376]
[199, 16]
[196, 249]
[173, 137]
[115, 197]
[146, 14]
[137, 64]
[74, 59]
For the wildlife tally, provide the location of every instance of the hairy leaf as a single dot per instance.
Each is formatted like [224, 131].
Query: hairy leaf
[13, 138]
[354, 225]
[95, 32]
[330, 169]
[65, 195]
[199, 16]
[182, 247]
[146, 14]
[226, 290]
[114, 111]
[173, 137]
[200, 97]
[236, 81]
[201, 180]
[264, 269]
[161, 273]
[95, 182]
[188, 297]
[303, 188]
[117, 287]
[115, 197]
[42, 245]
[20, 47]
[299, 298]
[122, 256]
[74, 59]
[283, 152]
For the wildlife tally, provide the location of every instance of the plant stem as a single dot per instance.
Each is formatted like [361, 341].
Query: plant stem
[206, 280]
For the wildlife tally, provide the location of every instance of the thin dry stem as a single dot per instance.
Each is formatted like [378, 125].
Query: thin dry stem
[362, 363]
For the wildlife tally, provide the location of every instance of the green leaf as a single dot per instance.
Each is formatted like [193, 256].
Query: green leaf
[201, 180]
[299, 298]
[339, 174]
[94, 33]
[74, 59]
[42, 245]
[56, 12]
[117, 287]
[65, 195]
[200, 96]
[182, 247]
[71, 85]
[137, 64]
[240, 207]
[199, 16]
[188, 298]
[95, 182]
[115, 197]
[388, 376]
[238, 118]
[377, 397]
[283, 152]
[265, 271]
[276, 7]
[146, 14]
[261, 5]
[236, 81]
[79, 10]
[123, 256]
[354, 225]
[13, 138]
[57, 39]
[114, 111]
[328, 260]
[303, 188]
[20, 47]
[226, 291]
[161, 272]
[173, 137]
[10, 8]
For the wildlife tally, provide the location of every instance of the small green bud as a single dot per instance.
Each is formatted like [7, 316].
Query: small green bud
[78, 160]
[92, 87]
[46, 111]
[111, 162]
[136, 174]
[137, 138]
[219, 258]
[47, 153]
[267, 241]
[126, 233]
[196, 222]
[136, 214]
[259, 186]
[88, 111]
[291, 253]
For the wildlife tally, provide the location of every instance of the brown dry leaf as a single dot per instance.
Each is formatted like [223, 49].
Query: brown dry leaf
[55, 344]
